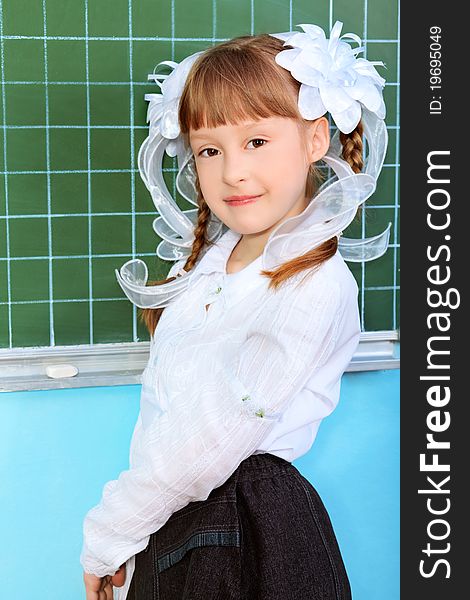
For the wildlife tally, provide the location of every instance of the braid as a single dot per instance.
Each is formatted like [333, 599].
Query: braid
[151, 316]
[200, 233]
[352, 147]
[352, 151]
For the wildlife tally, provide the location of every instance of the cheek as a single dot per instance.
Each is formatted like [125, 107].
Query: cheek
[209, 189]
[287, 163]
[206, 179]
[285, 175]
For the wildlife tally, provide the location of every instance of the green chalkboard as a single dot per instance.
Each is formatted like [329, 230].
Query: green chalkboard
[72, 205]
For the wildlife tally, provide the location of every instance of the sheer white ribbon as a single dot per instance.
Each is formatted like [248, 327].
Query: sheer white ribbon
[330, 211]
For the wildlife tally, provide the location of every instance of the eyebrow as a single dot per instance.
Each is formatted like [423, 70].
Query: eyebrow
[197, 136]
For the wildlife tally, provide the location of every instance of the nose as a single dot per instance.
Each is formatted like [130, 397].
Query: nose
[235, 168]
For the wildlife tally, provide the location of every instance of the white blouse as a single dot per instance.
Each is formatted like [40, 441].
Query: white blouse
[255, 373]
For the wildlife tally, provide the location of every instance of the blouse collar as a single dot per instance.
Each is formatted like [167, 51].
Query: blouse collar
[234, 285]
[215, 258]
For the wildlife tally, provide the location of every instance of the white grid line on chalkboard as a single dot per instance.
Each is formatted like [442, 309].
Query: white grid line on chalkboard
[96, 127]
[124, 213]
[363, 220]
[397, 146]
[48, 180]
[379, 288]
[5, 163]
[113, 83]
[89, 199]
[64, 171]
[103, 38]
[173, 29]
[132, 141]
[110, 255]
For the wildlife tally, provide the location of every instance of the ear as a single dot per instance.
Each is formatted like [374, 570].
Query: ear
[318, 139]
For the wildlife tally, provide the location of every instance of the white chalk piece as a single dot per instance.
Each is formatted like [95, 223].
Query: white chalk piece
[59, 371]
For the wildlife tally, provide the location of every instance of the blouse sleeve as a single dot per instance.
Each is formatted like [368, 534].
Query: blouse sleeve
[185, 454]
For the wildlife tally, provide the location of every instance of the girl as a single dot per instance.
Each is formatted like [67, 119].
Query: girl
[260, 322]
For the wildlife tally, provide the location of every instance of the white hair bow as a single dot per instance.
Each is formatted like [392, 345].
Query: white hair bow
[333, 78]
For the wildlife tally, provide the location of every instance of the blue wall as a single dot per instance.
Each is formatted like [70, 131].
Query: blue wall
[58, 449]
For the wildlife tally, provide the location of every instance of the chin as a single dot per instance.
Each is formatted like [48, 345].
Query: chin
[248, 226]
[245, 230]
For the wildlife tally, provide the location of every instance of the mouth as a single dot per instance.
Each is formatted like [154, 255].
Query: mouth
[240, 200]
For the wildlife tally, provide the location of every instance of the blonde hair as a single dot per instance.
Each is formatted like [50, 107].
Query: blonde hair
[235, 81]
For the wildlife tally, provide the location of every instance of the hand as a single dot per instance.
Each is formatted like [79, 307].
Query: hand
[119, 578]
[101, 588]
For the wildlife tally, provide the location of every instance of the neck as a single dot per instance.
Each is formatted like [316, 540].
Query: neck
[251, 245]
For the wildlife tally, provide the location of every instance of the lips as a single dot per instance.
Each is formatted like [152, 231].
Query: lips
[237, 200]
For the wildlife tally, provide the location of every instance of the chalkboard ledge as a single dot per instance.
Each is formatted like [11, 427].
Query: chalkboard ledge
[23, 369]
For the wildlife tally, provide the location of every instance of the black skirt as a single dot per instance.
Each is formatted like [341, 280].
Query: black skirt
[262, 535]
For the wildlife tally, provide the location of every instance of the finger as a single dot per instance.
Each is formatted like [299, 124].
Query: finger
[90, 595]
[106, 583]
[119, 578]
[92, 585]
[108, 590]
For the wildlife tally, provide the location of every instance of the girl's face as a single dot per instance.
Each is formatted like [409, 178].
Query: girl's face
[268, 159]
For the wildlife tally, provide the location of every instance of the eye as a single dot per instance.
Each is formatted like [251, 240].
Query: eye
[258, 140]
[210, 149]
[207, 149]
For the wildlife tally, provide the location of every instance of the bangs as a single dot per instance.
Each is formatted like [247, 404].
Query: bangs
[235, 82]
